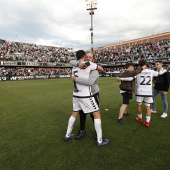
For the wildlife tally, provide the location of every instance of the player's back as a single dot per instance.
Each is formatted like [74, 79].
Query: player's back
[144, 82]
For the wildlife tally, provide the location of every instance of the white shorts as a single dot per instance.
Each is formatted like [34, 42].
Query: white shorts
[88, 105]
[146, 100]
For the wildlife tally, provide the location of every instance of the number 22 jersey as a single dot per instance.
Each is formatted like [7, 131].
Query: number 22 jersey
[144, 82]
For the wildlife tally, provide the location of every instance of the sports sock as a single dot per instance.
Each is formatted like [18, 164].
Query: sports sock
[98, 128]
[140, 116]
[148, 118]
[70, 126]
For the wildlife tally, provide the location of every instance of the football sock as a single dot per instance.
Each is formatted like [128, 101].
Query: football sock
[70, 126]
[98, 128]
[148, 118]
[140, 116]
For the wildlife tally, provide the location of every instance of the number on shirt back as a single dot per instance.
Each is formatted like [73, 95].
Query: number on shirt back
[146, 80]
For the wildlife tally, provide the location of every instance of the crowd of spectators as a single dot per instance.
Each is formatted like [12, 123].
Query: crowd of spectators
[122, 68]
[150, 50]
[17, 51]
[22, 71]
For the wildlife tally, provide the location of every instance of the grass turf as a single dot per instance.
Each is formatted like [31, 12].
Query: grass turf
[33, 121]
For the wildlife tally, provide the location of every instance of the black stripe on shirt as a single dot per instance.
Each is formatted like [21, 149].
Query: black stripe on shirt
[144, 95]
[82, 96]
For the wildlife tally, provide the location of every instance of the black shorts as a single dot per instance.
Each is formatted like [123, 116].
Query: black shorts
[126, 97]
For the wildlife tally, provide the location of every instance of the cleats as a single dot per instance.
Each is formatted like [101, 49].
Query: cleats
[139, 119]
[146, 124]
[68, 138]
[81, 134]
[120, 121]
[104, 142]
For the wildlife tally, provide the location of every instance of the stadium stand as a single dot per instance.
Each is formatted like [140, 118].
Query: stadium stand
[23, 59]
[17, 51]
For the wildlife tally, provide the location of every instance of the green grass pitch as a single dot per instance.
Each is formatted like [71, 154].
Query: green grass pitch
[33, 121]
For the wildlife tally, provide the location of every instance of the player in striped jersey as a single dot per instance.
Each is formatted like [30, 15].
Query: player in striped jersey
[91, 81]
[144, 91]
[83, 99]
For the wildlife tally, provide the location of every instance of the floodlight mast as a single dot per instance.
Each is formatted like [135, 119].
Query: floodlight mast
[91, 5]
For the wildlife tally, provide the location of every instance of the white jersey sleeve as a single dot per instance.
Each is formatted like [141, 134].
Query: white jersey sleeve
[155, 73]
[127, 78]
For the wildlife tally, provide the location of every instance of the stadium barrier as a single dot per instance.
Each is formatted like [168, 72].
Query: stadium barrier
[50, 64]
[16, 78]
[36, 64]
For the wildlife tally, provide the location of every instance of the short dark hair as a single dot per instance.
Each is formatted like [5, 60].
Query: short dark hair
[159, 61]
[142, 62]
[127, 65]
[80, 54]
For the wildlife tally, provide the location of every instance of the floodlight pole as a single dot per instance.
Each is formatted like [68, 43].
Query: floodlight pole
[91, 5]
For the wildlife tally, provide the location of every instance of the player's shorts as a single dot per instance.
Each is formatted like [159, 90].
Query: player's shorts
[126, 97]
[88, 105]
[146, 100]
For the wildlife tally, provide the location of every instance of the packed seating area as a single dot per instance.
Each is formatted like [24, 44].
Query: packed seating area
[17, 51]
[153, 50]
[122, 69]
